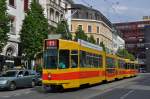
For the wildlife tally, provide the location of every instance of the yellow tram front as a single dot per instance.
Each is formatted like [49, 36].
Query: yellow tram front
[60, 64]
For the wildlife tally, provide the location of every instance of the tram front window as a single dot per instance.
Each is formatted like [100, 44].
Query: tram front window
[50, 59]
[63, 59]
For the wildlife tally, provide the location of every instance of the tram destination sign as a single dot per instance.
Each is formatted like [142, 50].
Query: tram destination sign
[51, 44]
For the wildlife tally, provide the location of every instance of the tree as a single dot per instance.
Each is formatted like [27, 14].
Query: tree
[79, 34]
[4, 24]
[103, 46]
[131, 56]
[34, 31]
[63, 29]
[122, 53]
[91, 39]
[125, 54]
[52, 29]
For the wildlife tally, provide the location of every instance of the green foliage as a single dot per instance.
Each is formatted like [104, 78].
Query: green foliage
[52, 29]
[122, 53]
[131, 56]
[34, 31]
[79, 34]
[4, 24]
[125, 54]
[38, 68]
[63, 29]
[91, 39]
[103, 46]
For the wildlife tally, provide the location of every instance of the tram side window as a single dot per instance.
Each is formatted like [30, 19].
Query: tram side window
[132, 66]
[121, 64]
[82, 59]
[110, 62]
[97, 61]
[90, 60]
[126, 66]
[74, 59]
[63, 59]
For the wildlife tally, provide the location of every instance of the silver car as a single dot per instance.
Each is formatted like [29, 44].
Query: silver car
[13, 79]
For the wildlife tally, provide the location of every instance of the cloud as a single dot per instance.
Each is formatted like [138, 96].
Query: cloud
[120, 9]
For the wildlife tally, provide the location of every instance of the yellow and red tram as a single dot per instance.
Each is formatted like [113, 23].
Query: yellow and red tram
[71, 64]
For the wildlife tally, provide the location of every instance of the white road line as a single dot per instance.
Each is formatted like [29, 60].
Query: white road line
[125, 95]
[18, 94]
[5, 96]
[27, 92]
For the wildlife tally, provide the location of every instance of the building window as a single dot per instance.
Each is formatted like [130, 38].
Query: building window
[9, 51]
[97, 41]
[52, 14]
[59, 2]
[97, 29]
[80, 26]
[26, 5]
[66, 5]
[90, 16]
[87, 15]
[89, 28]
[12, 3]
[55, 1]
[12, 25]
[71, 27]
[57, 17]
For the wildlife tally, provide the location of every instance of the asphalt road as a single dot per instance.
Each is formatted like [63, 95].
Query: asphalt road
[132, 88]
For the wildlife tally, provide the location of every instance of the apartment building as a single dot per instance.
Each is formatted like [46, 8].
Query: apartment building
[135, 39]
[93, 22]
[54, 11]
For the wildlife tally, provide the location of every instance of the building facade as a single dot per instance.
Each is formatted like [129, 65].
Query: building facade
[54, 11]
[93, 22]
[118, 42]
[16, 11]
[133, 34]
[147, 46]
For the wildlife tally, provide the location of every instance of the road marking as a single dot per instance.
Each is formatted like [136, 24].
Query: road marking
[27, 92]
[5, 96]
[127, 94]
[18, 94]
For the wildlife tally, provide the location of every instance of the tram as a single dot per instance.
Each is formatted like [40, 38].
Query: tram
[70, 64]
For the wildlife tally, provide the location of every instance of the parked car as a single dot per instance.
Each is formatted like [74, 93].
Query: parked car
[142, 70]
[13, 79]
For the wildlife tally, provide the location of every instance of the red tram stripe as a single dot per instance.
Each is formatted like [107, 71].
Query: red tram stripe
[73, 75]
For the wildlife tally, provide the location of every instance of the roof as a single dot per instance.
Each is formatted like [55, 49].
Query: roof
[86, 8]
[70, 1]
[134, 22]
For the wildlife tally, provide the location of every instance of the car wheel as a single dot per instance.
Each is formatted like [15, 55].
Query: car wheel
[12, 86]
[33, 84]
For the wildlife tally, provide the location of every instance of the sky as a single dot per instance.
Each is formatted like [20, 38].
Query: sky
[120, 10]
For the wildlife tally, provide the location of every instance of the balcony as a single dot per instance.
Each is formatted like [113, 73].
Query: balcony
[56, 6]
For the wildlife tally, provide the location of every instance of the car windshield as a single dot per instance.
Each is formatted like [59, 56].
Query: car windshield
[9, 74]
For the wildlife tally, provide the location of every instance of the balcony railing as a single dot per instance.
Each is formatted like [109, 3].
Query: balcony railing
[56, 6]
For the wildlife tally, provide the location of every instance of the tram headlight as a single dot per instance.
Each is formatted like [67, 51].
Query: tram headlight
[49, 76]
